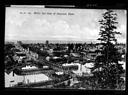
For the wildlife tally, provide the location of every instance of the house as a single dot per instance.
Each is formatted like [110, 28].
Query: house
[83, 69]
[19, 56]
[12, 79]
[123, 64]
[59, 73]
[71, 64]
[48, 58]
[89, 65]
[29, 68]
[35, 78]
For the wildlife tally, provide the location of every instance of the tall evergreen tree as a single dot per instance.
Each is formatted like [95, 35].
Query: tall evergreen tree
[109, 75]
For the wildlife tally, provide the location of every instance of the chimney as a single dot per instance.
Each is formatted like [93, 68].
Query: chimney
[13, 73]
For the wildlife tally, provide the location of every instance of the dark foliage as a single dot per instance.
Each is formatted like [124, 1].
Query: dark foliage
[109, 76]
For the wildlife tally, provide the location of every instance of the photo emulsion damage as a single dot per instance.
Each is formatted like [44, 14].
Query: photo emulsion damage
[63, 48]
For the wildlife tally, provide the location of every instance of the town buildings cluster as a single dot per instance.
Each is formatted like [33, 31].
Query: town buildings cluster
[73, 59]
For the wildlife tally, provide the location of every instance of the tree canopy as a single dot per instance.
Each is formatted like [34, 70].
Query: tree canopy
[108, 60]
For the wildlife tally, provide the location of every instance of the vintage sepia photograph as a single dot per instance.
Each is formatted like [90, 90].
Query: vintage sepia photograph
[64, 48]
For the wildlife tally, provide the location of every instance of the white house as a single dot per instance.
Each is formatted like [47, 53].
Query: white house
[35, 78]
[71, 64]
[83, 69]
[123, 64]
[29, 68]
[123, 56]
[59, 73]
[12, 79]
[89, 65]
[47, 58]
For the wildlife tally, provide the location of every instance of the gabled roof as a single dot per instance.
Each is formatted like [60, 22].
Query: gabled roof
[8, 71]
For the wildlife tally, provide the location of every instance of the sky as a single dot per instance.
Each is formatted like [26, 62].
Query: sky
[81, 25]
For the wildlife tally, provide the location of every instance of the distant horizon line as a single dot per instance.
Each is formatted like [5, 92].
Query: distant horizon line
[55, 41]
[49, 41]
